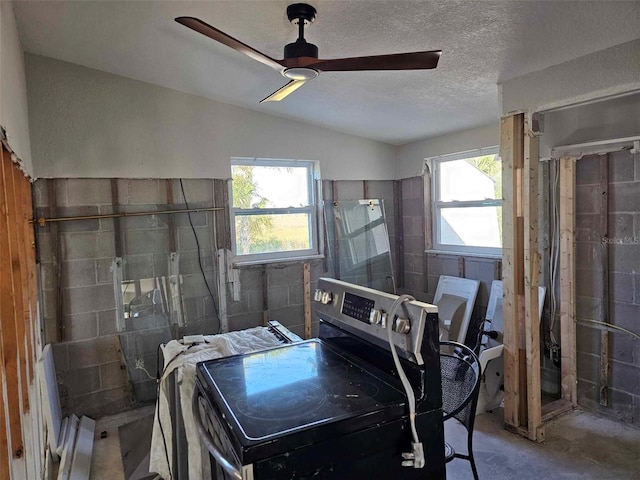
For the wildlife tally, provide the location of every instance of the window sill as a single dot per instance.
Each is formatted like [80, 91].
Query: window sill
[492, 256]
[285, 260]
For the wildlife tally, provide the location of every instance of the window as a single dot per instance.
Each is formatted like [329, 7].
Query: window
[467, 199]
[274, 208]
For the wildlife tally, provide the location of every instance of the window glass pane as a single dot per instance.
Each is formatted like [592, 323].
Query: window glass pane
[270, 187]
[473, 226]
[272, 233]
[477, 178]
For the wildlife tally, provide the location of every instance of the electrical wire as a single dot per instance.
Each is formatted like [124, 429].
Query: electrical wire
[554, 255]
[206, 282]
[611, 326]
[411, 399]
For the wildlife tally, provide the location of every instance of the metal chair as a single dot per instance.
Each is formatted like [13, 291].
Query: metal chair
[461, 373]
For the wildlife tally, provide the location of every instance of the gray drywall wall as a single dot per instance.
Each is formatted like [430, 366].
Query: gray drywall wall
[87, 123]
[608, 72]
[611, 118]
[13, 87]
[412, 155]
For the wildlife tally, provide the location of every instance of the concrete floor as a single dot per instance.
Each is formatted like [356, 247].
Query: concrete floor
[579, 445]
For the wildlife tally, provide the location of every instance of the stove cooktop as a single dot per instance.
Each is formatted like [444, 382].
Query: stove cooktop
[298, 387]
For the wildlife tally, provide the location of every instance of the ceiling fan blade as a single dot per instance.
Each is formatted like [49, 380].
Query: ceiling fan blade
[397, 61]
[283, 92]
[215, 34]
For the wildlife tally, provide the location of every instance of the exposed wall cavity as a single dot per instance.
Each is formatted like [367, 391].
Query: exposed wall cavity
[422, 269]
[622, 248]
[113, 289]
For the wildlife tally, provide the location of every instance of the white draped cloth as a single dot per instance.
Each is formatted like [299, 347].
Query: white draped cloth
[182, 359]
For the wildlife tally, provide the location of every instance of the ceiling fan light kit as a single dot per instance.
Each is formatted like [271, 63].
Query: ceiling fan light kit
[301, 64]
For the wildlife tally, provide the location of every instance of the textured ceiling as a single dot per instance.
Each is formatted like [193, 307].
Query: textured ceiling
[483, 42]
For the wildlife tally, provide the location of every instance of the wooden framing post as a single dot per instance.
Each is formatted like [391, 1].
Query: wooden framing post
[567, 279]
[531, 284]
[511, 153]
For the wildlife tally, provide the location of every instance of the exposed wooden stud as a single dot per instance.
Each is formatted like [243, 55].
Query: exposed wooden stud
[222, 291]
[30, 271]
[4, 439]
[461, 267]
[532, 283]
[510, 154]
[16, 266]
[307, 299]
[567, 280]
[336, 243]
[21, 286]
[8, 332]
[604, 310]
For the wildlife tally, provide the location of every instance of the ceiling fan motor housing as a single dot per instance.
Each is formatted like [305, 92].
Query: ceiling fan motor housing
[300, 48]
[301, 14]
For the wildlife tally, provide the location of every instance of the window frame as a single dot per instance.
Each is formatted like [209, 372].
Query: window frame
[313, 190]
[438, 205]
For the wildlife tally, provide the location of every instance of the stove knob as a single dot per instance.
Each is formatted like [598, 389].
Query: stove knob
[327, 298]
[375, 316]
[402, 325]
[317, 296]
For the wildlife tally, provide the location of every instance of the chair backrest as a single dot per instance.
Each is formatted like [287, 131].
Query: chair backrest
[461, 373]
[458, 287]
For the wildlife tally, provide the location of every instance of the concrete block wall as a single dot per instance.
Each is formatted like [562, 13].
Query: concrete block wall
[623, 309]
[101, 370]
[423, 270]
[413, 238]
[285, 296]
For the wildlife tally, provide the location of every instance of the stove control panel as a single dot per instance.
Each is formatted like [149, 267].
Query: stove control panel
[363, 312]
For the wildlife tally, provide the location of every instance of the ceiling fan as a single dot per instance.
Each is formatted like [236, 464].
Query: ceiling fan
[301, 62]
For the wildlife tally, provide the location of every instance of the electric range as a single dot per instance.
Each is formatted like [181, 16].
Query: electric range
[333, 407]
